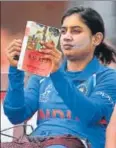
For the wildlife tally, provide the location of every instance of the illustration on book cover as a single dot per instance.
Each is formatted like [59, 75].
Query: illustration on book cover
[30, 59]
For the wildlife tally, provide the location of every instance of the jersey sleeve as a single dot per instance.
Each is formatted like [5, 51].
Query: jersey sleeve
[19, 103]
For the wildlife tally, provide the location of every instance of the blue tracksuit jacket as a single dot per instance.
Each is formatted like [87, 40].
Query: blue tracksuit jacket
[67, 102]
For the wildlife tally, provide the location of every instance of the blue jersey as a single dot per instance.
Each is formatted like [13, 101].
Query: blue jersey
[73, 103]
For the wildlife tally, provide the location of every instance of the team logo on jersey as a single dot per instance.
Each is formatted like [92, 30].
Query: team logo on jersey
[87, 86]
[45, 95]
[83, 88]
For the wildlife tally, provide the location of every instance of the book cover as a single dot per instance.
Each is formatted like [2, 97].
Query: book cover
[30, 59]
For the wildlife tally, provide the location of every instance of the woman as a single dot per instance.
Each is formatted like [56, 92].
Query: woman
[77, 99]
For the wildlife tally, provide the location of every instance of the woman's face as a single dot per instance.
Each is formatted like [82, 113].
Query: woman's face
[76, 38]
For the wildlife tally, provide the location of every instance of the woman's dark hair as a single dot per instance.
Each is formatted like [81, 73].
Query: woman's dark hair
[96, 24]
[106, 53]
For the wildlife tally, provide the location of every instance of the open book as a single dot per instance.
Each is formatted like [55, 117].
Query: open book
[30, 59]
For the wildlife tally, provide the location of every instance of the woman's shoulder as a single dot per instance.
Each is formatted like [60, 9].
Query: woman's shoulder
[106, 74]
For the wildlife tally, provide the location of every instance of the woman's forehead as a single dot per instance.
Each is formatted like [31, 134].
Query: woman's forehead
[74, 21]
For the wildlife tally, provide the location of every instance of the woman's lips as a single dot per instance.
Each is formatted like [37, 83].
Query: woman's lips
[67, 46]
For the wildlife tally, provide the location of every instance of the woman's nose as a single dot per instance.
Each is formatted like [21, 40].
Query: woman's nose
[68, 36]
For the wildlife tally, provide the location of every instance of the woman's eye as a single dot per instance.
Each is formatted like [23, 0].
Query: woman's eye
[76, 31]
[63, 31]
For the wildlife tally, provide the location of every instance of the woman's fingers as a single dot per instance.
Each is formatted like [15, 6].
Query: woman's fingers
[49, 45]
[13, 50]
[15, 43]
[15, 53]
[50, 52]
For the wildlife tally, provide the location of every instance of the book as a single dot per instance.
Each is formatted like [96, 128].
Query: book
[30, 59]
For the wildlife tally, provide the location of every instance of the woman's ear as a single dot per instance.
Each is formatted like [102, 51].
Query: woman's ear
[97, 38]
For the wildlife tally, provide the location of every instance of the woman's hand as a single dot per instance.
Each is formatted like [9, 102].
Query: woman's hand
[13, 50]
[50, 52]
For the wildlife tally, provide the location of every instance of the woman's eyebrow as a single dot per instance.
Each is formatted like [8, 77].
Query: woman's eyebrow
[73, 27]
